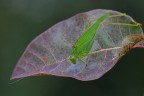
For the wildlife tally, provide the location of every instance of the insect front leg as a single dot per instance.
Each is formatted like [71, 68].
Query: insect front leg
[85, 66]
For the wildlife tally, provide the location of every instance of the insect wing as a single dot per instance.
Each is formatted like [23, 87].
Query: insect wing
[85, 42]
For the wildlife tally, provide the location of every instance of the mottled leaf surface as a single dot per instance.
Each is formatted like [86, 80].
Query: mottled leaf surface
[47, 53]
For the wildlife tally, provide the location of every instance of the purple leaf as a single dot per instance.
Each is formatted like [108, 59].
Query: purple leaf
[47, 53]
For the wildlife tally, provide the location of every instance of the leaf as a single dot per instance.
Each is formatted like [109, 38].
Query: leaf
[47, 54]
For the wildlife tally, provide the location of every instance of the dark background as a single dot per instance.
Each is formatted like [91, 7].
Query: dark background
[23, 20]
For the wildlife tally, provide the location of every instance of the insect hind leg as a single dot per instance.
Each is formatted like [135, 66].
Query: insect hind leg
[117, 15]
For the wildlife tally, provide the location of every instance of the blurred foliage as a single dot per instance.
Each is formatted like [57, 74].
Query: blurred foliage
[22, 20]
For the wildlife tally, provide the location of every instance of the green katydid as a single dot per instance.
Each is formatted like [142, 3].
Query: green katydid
[83, 45]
